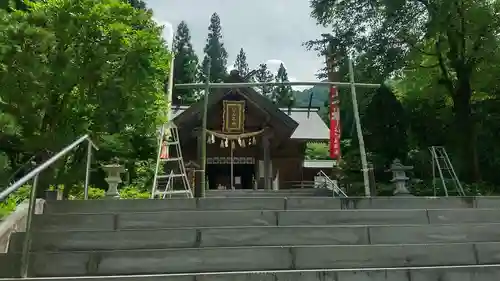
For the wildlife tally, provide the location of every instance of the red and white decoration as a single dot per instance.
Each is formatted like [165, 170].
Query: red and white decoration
[334, 124]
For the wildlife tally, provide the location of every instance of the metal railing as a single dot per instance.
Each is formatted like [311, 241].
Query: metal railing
[33, 175]
[332, 185]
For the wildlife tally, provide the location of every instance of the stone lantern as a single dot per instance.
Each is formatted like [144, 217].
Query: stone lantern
[113, 178]
[399, 177]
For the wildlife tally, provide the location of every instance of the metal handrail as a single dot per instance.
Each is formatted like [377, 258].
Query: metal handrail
[33, 175]
[334, 187]
[14, 187]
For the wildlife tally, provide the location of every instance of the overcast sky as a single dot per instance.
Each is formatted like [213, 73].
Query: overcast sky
[268, 30]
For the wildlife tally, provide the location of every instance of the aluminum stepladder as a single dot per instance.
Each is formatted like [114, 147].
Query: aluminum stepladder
[441, 162]
[169, 152]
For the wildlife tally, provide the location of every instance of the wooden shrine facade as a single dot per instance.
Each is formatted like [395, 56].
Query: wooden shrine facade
[265, 144]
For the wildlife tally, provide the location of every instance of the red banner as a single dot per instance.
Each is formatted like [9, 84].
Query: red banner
[334, 124]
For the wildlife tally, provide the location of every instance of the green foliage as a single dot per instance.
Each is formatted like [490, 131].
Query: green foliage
[283, 95]
[131, 192]
[14, 199]
[185, 65]
[317, 151]
[241, 63]
[385, 127]
[451, 42]
[137, 4]
[77, 193]
[72, 67]
[215, 50]
[263, 75]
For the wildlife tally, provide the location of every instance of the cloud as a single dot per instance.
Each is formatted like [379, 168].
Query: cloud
[231, 66]
[274, 64]
[168, 30]
[298, 88]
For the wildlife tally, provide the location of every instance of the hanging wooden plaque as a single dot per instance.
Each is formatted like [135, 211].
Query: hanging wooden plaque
[233, 117]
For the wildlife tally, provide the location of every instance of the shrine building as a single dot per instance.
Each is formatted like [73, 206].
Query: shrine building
[267, 144]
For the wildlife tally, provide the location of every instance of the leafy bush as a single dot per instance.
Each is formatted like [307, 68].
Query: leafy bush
[10, 204]
[128, 192]
[131, 192]
[94, 193]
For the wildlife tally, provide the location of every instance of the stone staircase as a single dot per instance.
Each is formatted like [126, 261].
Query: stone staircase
[265, 239]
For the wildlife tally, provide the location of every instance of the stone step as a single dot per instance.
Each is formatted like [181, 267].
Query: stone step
[175, 219]
[270, 193]
[46, 264]
[269, 203]
[452, 273]
[256, 236]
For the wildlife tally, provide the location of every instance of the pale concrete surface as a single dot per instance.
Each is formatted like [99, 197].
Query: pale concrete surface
[257, 236]
[160, 261]
[315, 257]
[464, 216]
[487, 202]
[243, 200]
[16, 222]
[412, 203]
[230, 203]
[274, 236]
[59, 222]
[122, 205]
[45, 264]
[313, 203]
[418, 274]
[172, 219]
[195, 219]
[107, 240]
[352, 217]
[417, 234]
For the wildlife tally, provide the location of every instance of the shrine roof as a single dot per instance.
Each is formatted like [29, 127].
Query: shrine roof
[310, 125]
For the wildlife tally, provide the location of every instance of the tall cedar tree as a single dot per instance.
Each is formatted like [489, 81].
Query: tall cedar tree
[185, 65]
[263, 75]
[241, 63]
[283, 94]
[214, 49]
[386, 126]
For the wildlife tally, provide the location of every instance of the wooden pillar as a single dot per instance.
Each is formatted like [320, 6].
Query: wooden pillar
[198, 192]
[267, 161]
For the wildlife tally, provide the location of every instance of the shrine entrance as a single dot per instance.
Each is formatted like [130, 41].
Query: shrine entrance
[219, 176]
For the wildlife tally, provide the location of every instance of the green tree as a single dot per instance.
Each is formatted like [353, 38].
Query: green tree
[70, 67]
[385, 127]
[214, 49]
[11, 5]
[263, 75]
[460, 36]
[186, 63]
[283, 94]
[138, 4]
[241, 63]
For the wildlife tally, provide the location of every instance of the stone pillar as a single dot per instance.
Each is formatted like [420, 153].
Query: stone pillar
[399, 177]
[197, 188]
[113, 178]
[267, 161]
[276, 181]
[373, 183]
